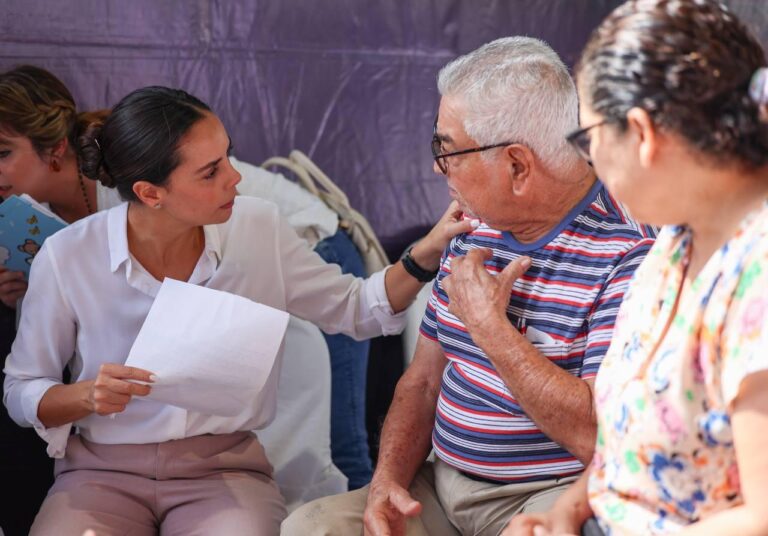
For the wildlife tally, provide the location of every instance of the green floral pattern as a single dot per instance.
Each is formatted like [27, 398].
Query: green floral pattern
[664, 455]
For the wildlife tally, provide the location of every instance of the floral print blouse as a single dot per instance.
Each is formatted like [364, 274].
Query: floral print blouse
[665, 455]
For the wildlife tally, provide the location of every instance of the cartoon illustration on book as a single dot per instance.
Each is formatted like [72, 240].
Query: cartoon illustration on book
[24, 226]
[30, 247]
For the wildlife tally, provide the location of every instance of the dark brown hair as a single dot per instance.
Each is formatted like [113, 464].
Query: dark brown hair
[688, 63]
[139, 140]
[36, 104]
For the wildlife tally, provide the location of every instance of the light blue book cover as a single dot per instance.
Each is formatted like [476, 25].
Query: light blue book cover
[24, 226]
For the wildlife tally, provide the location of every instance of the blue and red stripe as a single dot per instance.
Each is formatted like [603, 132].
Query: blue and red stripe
[566, 304]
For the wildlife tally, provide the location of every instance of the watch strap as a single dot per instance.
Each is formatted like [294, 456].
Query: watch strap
[413, 268]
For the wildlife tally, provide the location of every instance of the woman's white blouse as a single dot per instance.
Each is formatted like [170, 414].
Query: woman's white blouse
[88, 298]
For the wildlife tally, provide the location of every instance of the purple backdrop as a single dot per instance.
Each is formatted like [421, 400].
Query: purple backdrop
[351, 83]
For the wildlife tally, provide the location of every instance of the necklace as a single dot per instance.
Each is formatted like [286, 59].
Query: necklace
[82, 189]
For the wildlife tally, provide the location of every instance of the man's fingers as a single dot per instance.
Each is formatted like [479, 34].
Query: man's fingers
[404, 503]
[514, 270]
[377, 524]
[475, 257]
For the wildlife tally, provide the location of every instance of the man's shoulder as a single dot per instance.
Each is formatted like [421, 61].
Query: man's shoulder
[607, 221]
[483, 237]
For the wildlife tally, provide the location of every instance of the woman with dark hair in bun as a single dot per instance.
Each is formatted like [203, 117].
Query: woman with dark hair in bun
[674, 108]
[158, 467]
[39, 128]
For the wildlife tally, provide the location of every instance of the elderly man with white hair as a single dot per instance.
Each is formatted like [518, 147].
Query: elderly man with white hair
[521, 313]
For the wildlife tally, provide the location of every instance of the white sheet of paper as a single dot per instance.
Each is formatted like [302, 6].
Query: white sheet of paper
[211, 351]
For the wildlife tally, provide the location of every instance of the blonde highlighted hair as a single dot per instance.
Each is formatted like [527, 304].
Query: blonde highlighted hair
[37, 105]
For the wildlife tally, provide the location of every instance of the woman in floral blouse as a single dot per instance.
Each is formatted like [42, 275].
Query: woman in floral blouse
[674, 101]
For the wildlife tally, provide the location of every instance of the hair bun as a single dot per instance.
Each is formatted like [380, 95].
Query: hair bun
[91, 155]
[758, 87]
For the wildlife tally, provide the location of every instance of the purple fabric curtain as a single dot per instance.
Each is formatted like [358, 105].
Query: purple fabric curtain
[350, 83]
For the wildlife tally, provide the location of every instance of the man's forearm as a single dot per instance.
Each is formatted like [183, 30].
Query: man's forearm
[406, 437]
[560, 404]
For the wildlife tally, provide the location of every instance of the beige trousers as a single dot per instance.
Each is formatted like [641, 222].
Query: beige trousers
[203, 485]
[452, 505]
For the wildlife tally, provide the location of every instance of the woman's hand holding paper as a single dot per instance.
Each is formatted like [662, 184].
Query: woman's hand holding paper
[115, 385]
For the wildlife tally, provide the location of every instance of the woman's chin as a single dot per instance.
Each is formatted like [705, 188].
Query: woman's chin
[651, 216]
[222, 216]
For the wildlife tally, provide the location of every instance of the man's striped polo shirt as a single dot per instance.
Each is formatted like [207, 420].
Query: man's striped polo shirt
[565, 305]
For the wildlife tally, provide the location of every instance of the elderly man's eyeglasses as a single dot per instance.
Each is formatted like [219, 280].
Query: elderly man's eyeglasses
[581, 141]
[440, 157]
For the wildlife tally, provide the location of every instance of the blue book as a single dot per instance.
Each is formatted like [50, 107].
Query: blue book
[24, 226]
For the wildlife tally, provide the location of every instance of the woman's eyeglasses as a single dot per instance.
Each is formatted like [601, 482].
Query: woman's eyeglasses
[581, 141]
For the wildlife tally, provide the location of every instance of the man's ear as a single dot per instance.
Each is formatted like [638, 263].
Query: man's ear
[148, 193]
[520, 160]
[641, 128]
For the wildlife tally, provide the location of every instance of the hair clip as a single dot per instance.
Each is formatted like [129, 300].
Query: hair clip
[758, 86]
[96, 141]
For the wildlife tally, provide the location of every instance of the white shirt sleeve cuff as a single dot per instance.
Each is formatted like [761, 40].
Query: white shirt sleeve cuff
[377, 301]
[56, 437]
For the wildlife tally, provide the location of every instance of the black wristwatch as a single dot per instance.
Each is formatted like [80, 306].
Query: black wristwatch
[412, 267]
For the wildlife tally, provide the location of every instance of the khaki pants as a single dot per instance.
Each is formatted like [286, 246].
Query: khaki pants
[452, 505]
[203, 485]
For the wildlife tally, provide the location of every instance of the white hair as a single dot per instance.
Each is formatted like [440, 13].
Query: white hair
[517, 89]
